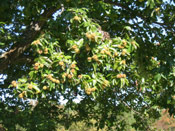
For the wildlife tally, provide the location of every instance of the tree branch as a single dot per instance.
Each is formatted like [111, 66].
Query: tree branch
[24, 59]
[30, 34]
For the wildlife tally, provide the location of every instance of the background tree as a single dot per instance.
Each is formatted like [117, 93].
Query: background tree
[117, 56]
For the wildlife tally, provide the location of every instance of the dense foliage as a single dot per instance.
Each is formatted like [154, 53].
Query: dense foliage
[115, 57]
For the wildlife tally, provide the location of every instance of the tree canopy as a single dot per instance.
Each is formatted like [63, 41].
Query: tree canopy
[116, 57]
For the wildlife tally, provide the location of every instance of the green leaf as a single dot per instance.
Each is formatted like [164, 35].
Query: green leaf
[128, 28]
[1, 44]
[157, 77]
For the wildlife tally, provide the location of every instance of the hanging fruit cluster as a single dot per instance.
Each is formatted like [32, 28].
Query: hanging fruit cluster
[57, 70]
